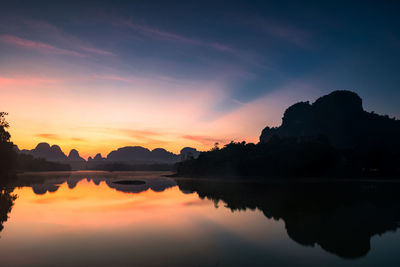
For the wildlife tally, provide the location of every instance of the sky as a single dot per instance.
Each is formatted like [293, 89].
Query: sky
[98, 75]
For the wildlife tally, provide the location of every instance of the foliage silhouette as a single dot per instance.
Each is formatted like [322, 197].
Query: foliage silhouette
[7, 153]
[27, 162]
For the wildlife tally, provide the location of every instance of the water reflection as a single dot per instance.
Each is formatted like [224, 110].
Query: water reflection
[340, 217]
[178, 218]
[42, 183]
[6, 202]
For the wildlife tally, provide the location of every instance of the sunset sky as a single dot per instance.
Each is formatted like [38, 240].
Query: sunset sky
[100, 75]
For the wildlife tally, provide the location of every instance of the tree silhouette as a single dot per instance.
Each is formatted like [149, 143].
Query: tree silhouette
[7, 153]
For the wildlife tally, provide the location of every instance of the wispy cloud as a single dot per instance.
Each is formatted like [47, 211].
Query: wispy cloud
[43, 28]
[94, 50]
[111, 77]
[49, 136]
[139, 136]
[77, 139]
[26, 81]
[173, 37]
[283, 31]
[142, 133]
[39, 46]
[205, 140]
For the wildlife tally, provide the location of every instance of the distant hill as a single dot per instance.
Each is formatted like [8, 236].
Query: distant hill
[140, 154]
[74, 156]
[340, 117]
[44, 150]
[129, 156]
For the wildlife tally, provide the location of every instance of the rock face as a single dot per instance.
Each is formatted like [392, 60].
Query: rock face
[74, 156]
[339, 117]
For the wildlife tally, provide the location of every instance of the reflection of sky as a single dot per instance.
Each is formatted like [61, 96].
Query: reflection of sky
[99, 77]
[97, 225]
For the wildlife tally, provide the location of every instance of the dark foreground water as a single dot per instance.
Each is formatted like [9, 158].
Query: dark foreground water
[94, 219]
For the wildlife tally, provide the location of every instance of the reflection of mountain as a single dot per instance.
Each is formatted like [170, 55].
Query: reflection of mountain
[155, 184]
[341, 217]
[6, 203]
[52, 182]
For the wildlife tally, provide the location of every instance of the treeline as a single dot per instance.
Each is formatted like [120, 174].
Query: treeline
[290, 157]
[7, 154]
[29, 163]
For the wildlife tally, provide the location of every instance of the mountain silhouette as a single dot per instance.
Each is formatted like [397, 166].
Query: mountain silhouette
[50, 153]
[97, 159]
[127, 158]
[332, 137]
[140, 154]
[74, 156]
[340, 117]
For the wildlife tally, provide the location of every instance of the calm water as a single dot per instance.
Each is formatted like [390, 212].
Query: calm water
[86, 219]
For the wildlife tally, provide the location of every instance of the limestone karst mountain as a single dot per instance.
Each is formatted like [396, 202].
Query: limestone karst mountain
[141, 154]
[125, 155]
[340, 117]
[74, 156]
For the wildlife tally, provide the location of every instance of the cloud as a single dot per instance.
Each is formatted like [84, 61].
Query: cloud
[111, 77]
[26, 81]
[94, 50]
[205, 140]
[49, 136]
[136, 136]
[142, 133]
[77, 139]
[284, 31]
[52, 32]
[173, 37]
[39, 46]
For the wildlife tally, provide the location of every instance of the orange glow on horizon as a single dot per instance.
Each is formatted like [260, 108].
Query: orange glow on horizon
[61, 111]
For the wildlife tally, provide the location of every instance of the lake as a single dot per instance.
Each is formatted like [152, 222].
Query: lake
[146, 219]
